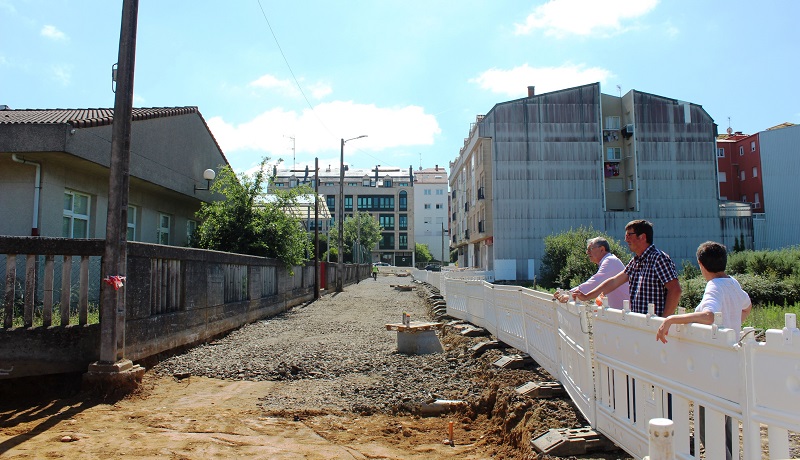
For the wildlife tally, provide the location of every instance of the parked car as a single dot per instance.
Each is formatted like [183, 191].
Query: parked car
[433, 268]
[381, 264]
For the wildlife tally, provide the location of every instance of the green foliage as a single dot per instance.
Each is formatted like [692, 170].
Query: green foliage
[360, 229]
[565, 262]
[777, 264]
[422, 253]
[243, 223]
[689, 270]
[770, 316]
[453, 256]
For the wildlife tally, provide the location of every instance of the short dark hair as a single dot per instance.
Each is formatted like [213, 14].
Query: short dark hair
[641, 226]
[713, 256]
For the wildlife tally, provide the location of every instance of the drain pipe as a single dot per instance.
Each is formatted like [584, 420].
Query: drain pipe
[36, 190]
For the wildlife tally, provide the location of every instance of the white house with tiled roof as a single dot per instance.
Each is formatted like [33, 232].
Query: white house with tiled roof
[54, 172]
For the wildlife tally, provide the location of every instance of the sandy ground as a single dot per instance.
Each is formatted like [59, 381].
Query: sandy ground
[200, 418]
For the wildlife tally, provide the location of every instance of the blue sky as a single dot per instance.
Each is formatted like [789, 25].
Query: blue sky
[411, 75]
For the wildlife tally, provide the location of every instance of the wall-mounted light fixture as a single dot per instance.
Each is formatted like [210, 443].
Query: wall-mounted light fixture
[208, 175]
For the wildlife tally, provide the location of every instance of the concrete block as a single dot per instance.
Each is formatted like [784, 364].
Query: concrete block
[418, 342]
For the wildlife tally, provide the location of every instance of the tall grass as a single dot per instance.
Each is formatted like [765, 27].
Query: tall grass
[770, 316]
[93, 317]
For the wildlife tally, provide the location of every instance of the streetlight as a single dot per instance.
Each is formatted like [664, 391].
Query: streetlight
[340, 258]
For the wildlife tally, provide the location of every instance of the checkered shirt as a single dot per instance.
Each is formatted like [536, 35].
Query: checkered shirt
[647, 274]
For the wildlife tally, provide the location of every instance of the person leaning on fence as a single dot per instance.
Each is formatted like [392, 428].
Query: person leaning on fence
[608, 264]
[722, 294]
[651, 274]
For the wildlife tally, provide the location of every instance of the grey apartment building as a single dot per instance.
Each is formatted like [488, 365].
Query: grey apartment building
[546, 163]
[385, 192]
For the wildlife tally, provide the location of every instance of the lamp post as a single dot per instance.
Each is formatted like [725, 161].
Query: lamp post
[340, 258]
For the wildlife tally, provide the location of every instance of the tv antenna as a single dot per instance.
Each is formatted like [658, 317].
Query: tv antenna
[294, 157]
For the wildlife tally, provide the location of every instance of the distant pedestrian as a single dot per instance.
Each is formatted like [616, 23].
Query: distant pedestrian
[374, 272]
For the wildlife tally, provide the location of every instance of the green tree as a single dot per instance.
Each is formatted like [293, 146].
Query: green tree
[422, 253]
[362, 229]
[565, 263]
[244, 223]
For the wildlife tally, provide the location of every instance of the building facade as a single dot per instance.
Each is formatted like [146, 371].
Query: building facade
[780, 158]
[430, 211]
[385, 192]
[544, 164]
[54, 172]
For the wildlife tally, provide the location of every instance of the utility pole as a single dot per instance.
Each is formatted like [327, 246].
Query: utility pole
[316, 228]
[340, 258]
[112, 304]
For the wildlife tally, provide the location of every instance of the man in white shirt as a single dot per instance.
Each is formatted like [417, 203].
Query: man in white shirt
[609, 265]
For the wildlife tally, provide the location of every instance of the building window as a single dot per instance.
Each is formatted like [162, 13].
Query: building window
[387, 183]
[741, 175]
[403, 240]
[426, 219]
[386, 221]
[348, 202]
[427, 205]
[330, 200]
[723, 177]
[439, 206]
[387, 241]
[329, 184]
[280, 184]
[756, 200]
[612, 123]
[744, 198]
[403, 201]
[752, 146]
[132, 218]
[191, 227]
[426, 191]
[755, 171]
[164, 224]
[720, 152]
[353, 184]
[439, 191]
[613, 154]
[76, 215]
[403, 221]
[741, 150]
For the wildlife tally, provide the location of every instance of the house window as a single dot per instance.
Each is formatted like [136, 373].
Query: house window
[752, 146]
[403, 201]
[612, 123]
[756, 201]
[427, 206]
[353, 184]
[329, 184]
[741, 150]
[439, 206]
[720, 153]
[439, 191]
[280, 184]
[330, 200]
[133, 215]
[427, 191]
[387, 183]
[76, 215]
[164, 224]
[191, 227]
[403, 221]
[755, 171]
[741, 175]
[387, 241]
[348, 202]
[723, 177]
[403, 240]
[613, 153]
[426, 219]
[386, 221]
[744, 198]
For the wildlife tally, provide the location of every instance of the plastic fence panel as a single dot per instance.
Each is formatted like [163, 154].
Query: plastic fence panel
[575, 357]
[509, 315]
[541, 333]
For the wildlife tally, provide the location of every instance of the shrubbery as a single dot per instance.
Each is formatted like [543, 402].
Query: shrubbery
[769, 277]
[565, 263]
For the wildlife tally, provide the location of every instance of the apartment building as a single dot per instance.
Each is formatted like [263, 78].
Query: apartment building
[385, 192]
[540, 165]
[431, 211]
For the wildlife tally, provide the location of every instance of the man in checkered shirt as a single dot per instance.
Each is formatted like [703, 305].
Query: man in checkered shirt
[651, 274]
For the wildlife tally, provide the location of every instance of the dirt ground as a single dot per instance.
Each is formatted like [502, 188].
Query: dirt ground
[198, 418]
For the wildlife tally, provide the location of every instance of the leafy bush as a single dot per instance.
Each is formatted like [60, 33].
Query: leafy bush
[762, 290]
[565, 263]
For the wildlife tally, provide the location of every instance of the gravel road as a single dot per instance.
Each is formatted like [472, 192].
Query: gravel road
[336, 354]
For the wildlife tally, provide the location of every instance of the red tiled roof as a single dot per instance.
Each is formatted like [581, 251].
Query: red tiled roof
[85, 118]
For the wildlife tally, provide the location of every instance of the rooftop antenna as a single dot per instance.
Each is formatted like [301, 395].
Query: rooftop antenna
[294, 157]
[730, 130]
[420, 161]
[619, 90]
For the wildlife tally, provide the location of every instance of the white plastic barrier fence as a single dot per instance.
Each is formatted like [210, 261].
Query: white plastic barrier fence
[620, 377]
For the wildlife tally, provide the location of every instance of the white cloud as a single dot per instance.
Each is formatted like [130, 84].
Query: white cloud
[62, 74]
[53, 33]
[317, 90]
[385, 128]
[514, 82]
[560, 18]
